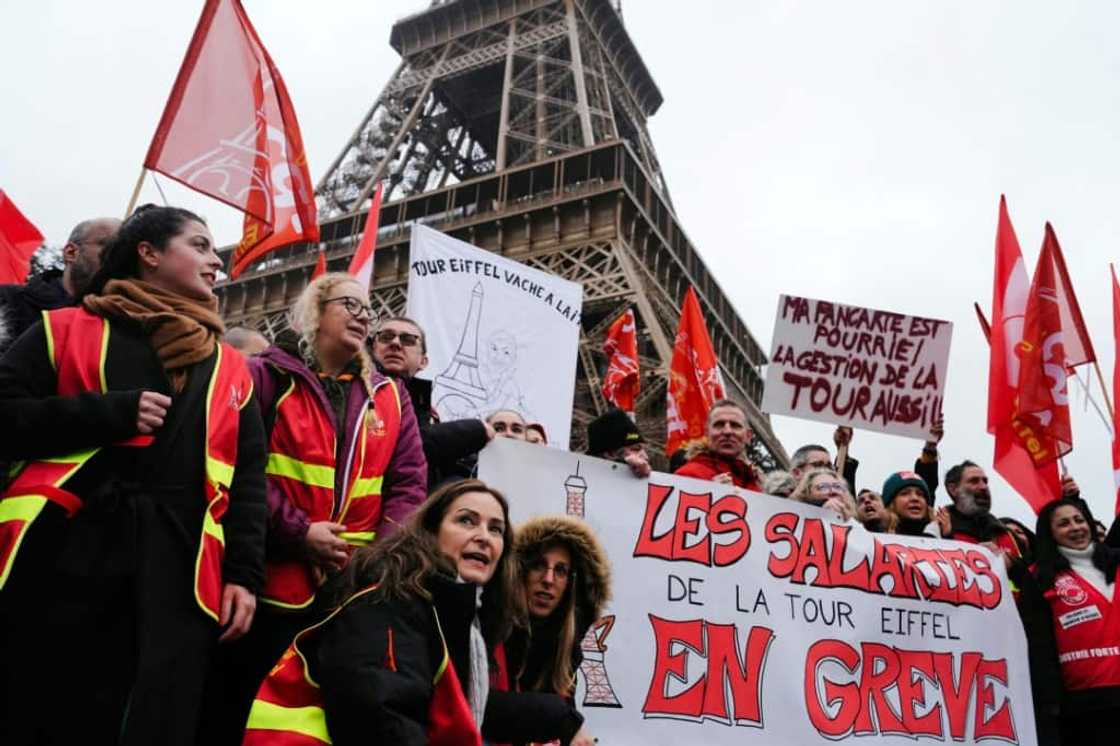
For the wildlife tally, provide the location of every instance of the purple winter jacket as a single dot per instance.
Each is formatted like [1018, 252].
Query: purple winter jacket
[406, 477]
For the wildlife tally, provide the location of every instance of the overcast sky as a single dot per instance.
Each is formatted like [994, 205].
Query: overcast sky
[849, 151]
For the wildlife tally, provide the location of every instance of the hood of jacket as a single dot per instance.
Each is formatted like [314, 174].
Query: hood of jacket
[593, 569]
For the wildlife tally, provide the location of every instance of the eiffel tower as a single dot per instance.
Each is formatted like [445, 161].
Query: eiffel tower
[520, 127]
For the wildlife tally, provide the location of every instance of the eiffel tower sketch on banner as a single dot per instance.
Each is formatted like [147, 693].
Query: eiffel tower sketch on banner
[599, 692]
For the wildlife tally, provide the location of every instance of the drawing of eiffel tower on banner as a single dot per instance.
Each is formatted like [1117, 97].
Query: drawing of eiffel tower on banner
[599, 692]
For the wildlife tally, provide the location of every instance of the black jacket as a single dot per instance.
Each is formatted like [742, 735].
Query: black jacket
[38, 423]
[450, 447]
[372, 698]
[22, 305]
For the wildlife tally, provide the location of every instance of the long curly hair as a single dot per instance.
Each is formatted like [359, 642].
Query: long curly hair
[308, 308]
[1049, 561]
[402, 564]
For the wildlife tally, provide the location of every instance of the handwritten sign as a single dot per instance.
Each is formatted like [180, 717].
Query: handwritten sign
[740, 618]
[857, 366]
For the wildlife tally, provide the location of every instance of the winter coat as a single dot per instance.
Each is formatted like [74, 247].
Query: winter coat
[116, 579]
[707, 465]
[21, 306]
[405, 485]
[376, 660]
[450, 447]
[516, 716]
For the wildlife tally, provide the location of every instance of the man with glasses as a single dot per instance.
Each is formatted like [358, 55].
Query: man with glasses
[22, 305]
[399, 349]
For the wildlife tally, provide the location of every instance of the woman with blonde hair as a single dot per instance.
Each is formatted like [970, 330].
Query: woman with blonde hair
[825, 489]
[907, 497]
[345, 466]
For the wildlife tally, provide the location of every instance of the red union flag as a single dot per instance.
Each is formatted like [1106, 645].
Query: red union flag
[694, 378]
[622, 381]
[1116, 386]
[1019, 451]
[1054, 341]
[19, 239]
[230, 132]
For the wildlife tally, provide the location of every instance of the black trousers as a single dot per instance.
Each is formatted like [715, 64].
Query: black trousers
[103, 641]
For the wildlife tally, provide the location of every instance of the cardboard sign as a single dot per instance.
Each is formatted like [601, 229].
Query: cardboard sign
[739, 618]
[862, 367]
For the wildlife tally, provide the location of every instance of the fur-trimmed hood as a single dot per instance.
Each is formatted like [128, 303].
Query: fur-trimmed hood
[593, 569]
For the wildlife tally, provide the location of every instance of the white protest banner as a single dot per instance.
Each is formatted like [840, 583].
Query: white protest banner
[848, 365]
[501, 335]
[740, 618]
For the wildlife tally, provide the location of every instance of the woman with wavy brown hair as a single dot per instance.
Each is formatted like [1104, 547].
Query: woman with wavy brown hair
[405, 657]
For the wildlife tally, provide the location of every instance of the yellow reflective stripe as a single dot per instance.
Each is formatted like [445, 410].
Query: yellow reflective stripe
[104, 354]
[50, 339]
[23, 508]
[219, 471]
[283, 605]
[315, 475]
[74, 458]
[213, 528]
[308, 721]
[357, 538]
[366, 486]
[443, 641]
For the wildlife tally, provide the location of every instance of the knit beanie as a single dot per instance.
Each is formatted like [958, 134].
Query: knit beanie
[610, 430]
[895, 482]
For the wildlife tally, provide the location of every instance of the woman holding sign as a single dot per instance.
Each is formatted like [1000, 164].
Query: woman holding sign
[1077, 578]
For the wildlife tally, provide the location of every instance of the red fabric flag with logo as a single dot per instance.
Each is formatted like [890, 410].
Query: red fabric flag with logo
[1116, 387]
[361, 264]
[19, 239]
[1016, 441]
[229, 131]
[1055, 340]
[622, 381]
[694, 378]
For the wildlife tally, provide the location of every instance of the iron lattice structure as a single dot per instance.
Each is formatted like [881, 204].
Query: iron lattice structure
[520, 127]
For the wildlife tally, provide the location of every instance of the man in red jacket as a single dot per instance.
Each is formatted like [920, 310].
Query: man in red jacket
[724, 456]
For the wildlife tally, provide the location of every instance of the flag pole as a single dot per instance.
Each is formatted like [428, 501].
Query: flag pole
[1104, 389]
[135, 192]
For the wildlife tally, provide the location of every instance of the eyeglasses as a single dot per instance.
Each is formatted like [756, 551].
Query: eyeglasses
[386, 336]
[353, 306]
[822, 486]
[560, 571]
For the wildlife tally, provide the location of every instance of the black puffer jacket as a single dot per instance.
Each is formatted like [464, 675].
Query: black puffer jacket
[538, 714]
[22, 305]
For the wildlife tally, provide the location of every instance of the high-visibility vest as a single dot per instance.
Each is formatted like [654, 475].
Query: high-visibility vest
[77, 345]
[288, 710]
[302, 466]
[1086, 630]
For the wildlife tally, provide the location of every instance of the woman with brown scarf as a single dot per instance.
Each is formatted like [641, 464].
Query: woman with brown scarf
[139, 514]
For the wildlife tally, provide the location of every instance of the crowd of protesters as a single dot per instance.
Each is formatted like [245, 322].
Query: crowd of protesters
[213, 537]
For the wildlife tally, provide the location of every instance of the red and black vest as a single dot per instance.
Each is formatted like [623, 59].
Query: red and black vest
[288, 710]
[77, 344]
[1087, 631]
[302, 464]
